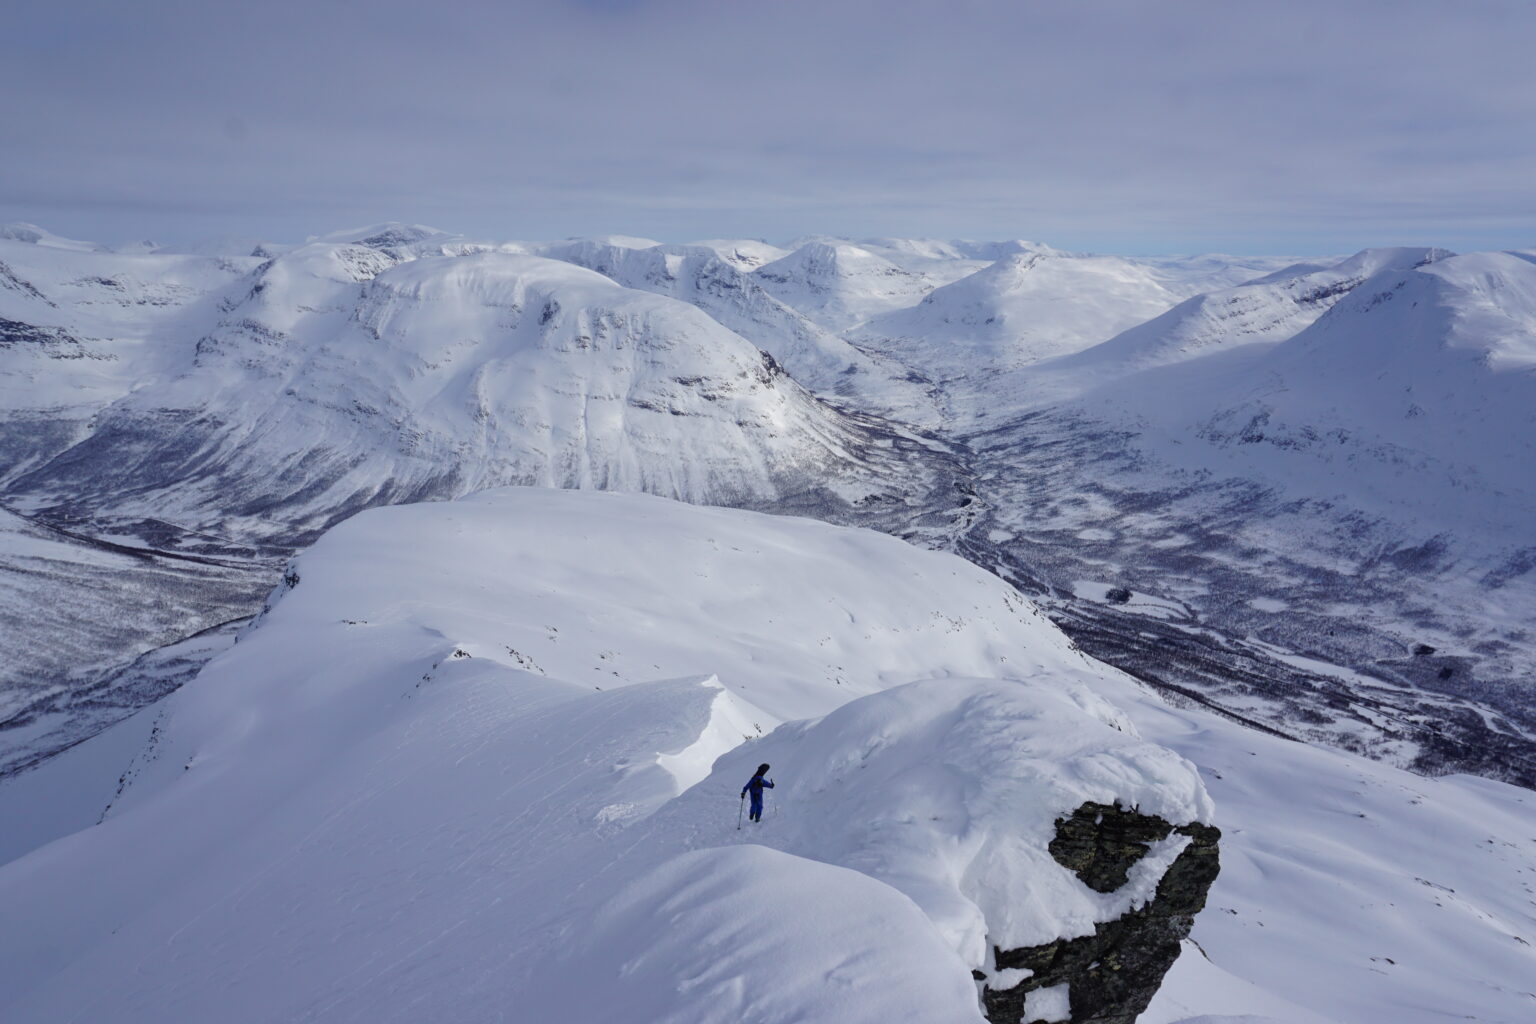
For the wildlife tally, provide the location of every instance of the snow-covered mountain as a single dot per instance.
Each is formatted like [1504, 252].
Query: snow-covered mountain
[443, 375]
[1019, 310]
[1418, 385]
[210, 416]
[1355, 487]
[207, 415]
[486, 752]
[1268, 309]
[481, 759]
[839, 285]
[745, 254]
[344, 378]
[813, 354]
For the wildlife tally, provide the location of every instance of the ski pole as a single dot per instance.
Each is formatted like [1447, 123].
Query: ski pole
[739, 808]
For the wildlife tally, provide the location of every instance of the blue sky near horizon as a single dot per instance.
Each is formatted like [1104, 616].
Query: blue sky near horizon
[1110, 125]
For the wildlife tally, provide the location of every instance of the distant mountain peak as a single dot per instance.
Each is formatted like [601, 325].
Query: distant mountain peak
[21, 231]
[387, 235]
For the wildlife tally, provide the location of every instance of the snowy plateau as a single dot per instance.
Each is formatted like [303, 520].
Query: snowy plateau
[389, 623]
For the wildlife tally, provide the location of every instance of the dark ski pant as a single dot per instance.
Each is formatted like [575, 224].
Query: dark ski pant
[756, 813]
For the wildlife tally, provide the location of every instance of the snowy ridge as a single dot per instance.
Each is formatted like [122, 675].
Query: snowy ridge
[943, 790]
[1417, 385]
[1357, 493]
[949, 790]
[1021, 309]
[433, 779]
[1269, 309]
[744, 254]
[211, 415]
[31, 234]
[508, 593]
[840, 285]
[349, 376]
[697, 275]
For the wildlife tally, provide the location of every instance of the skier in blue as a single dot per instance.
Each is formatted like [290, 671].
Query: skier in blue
[755, 787]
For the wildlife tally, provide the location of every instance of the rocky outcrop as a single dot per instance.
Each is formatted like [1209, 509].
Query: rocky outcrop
[1111, 975]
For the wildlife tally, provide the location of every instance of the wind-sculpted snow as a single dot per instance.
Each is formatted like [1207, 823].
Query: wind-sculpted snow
[784, 940]
[897, 605]
[439, 778]
[949, 790]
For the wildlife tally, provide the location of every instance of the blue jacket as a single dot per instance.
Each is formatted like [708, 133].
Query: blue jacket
[756, 788]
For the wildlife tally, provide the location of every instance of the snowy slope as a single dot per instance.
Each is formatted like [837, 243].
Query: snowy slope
[602, 591]
[813, 355]
[1208, 272]
[1431, 374]
[939, 261]
[79, 618]
[441, 780]
[1021, 309]
[1359, 494]
[1270, 309]
[31, 234]
[839, 285]
[347, 375]
[1039, 324]
[1287, 511]
[81, 329]
[213, 415]
[742, 253]
[1415, 395]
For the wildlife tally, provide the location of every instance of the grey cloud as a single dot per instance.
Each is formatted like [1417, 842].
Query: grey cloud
[1129, 125]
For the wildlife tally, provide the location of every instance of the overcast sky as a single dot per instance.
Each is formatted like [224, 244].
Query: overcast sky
[1287, 126]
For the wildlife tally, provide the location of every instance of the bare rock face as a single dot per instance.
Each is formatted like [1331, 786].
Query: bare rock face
[1112, 974]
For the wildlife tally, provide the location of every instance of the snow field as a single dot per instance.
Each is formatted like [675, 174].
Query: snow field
[343, 819]
[378, 798]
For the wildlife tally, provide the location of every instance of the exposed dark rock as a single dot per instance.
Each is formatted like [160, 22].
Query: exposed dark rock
[55, 340]
[1100, 843]
[1113, 973]
[1117, 595]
